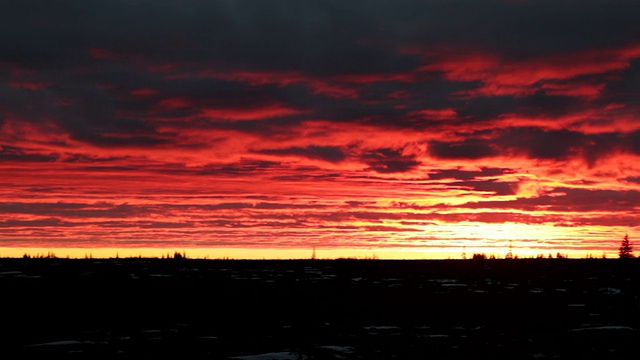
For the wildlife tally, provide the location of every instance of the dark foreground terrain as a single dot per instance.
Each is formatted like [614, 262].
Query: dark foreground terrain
[319, 309]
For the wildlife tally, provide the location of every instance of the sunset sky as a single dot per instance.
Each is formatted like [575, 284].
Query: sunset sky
[263, 129]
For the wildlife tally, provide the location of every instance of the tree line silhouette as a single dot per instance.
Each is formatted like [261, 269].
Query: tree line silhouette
[625, 251]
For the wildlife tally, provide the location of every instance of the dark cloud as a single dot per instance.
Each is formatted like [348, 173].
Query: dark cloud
[468, 175]
[86, 58]
[277, 206]
[539, 144]
[308, 175]
[327, 153]
[387, 160]
[243, 32]
[543, 104]
[632, 142]
[227, 206]
[632, 179]
[465, 149]
[491, 186]
[626, 87]
[568, 200]
[74, 210]
[359, 203]
[487, 108]
[561, 144]
[245, 166]
[35, 224]
[85, 158]
[12, 153]
[514, 28]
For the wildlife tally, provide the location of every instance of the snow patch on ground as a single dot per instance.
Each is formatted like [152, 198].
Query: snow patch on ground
[284, 355]
[381, 328]
[336, 348]
[611, 327]
[60, 343]
[609, 291]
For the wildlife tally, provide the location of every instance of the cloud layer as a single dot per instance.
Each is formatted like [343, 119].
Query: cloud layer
[292, 124]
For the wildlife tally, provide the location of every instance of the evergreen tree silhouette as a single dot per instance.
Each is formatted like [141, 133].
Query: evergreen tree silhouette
[626, 249]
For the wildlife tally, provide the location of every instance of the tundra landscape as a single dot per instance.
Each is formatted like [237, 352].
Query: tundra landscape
[144, 308]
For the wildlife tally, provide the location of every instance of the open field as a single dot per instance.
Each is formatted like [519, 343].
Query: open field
[319, 309]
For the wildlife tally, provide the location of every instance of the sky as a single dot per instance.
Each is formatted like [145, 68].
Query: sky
[265, 129]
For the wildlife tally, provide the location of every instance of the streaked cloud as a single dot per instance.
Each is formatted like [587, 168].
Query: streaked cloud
[426, 124]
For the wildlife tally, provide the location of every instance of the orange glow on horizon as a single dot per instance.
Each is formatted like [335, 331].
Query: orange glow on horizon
[295, 254]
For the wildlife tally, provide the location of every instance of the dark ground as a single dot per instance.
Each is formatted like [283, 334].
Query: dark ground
[319, 309]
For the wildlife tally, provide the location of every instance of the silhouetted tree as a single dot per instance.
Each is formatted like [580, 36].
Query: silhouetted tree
[479, 256]
[179, 256]
[626, 249]
[510, 253]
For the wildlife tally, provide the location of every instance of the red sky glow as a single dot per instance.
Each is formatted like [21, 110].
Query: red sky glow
[266, 129]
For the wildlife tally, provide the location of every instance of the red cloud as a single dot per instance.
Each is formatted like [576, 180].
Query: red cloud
[174, 103]
[282, 78]
[333, 89]
[578, 89]
[143, 92]
[505, 76]
[101, 54]
[338, 88]
[346, 86]
[436, 114]
[265, 112]
[28, 85]
[376, 78]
